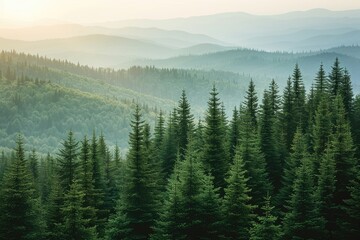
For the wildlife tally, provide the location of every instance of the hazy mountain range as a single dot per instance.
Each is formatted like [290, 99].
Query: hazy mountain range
[258, 46]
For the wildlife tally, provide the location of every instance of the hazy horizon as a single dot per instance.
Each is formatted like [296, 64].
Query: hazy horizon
[41, 11]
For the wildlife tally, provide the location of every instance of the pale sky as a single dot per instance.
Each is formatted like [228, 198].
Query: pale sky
[89, 11]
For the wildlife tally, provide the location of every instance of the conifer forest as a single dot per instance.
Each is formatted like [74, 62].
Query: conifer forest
[179, 120]
[283, 166]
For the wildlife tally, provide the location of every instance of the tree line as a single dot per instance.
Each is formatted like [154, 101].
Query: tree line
[285, 168]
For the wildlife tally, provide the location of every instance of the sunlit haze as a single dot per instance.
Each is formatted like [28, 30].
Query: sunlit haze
[92, 11]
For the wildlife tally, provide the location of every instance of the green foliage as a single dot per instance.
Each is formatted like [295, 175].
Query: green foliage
[75, 223]
[68, 161]
[266, 226]
[214, 153]
[20, 214]
[236, 206]
[303, 220]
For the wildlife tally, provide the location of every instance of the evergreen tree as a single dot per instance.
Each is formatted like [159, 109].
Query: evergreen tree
[68, 161]
[266, 226]
[214, 155]
[303, 220]
[325, 192]
[20, 214]
[335, 79]
[168, 149]
[268, 140]
[292, 163]
[75, 226]
[236, 207]
[341, 146]
[287, 117]
[86, 183]
[254, 161]
[347, 94]
[184, 124]
[251, 103]
[234, 134]
[321, 131]
[298, 90]
[135, 214]
[352, 207]
[54, 216]
[321, 85]
[34, 168]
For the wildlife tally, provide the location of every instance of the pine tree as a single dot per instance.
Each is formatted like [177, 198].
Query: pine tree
[20, 214]
[325, 192]
[98, 151]
[303, 220]
[236, 207]
[68, 161]
[75, 226]
[342, 148]
[34, 168]
[214, 155]
[234, 134]
[287, 117]
[192, 206]
[251, 103]
[86, 183]
[292, 163]
[321, 85]
[168, 149]
[352, 207]
[184, 126]
[321, 131]
[54, 216]
[266, 226]
[347, 94]
[298, 90]
[335, 79]
[268, 140]
[255, 166]
[135, 214]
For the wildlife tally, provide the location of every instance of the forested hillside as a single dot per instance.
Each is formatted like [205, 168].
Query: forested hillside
[43, 98]
[283, 166]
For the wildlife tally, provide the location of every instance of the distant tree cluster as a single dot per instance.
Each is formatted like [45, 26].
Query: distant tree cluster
[283, 168]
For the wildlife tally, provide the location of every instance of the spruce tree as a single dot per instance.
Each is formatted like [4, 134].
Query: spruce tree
[352, 207]
[287, 117]
[325, 192]
[234, 134]
[303, 220]
[214, 154]
[20, 214]
[322, 130]
[251, 103]
[321, 85]
[75, 223]
[236, 207]
[298, 90]
[266, 226]
[86, 183]
[184, 125]
[68, 162]
[135, 214]
[347, 94]
[335, 79]
[292, 163]
[268, 140]
[168, 149]
[253, 158]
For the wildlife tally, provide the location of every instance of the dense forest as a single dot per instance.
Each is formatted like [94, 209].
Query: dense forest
[42, 98]
[285, 167]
